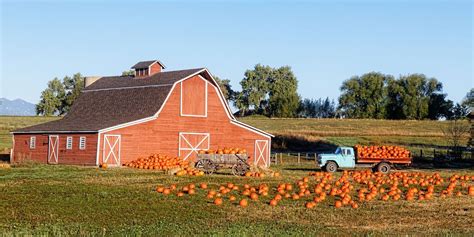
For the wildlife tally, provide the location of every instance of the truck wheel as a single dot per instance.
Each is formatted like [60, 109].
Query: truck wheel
[331, 166]
[383, 167]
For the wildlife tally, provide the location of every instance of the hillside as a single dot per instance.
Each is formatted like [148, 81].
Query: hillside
[290, 133]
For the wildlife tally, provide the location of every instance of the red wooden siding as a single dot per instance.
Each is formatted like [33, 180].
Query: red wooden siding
[194, 98]
[155, 68]
[74, 156]
[162, 135]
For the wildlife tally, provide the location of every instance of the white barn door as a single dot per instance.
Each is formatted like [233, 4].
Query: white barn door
[111, 155]
[191, 143]
[262, 153]
[53, 149]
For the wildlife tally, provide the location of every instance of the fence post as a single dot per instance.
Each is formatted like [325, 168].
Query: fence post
[315, 158]
[281, 158]
[434, 153]
[299, 157]
[276, 158]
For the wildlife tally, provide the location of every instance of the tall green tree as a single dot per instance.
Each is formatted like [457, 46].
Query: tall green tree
[73, 87]
[51, 99]
[409, 96]
[269, 91]
[469, 99]
[365, 96]
[226, 88]
[255, 88]
[59, 96]
[440, 107]
[283, 93]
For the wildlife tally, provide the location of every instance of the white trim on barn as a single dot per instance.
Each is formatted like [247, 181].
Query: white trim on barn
[98, 150]
[12, 150]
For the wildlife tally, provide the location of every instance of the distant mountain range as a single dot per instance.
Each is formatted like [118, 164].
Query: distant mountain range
[17, 107]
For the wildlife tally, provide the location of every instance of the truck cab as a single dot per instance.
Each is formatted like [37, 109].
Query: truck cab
[343, 157]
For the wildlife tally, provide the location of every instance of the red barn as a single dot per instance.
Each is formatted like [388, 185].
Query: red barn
[118, 119]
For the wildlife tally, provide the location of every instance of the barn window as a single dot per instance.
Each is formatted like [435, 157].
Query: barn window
[69, 143]
[32, 142]
[82, 143]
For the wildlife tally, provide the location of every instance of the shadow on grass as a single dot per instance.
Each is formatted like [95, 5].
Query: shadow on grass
[4, 157]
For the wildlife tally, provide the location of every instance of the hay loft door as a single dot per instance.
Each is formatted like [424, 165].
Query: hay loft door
[111, 155]
[262, 154]
[53, 149]
[191, 143]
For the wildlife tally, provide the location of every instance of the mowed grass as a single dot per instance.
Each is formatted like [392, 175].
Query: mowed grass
[348, 132]
[71, 200]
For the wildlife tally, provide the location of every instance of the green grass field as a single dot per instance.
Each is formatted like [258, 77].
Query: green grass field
[70, 200]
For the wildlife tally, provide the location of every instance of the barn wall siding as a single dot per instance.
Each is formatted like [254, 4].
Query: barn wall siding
[162, 135]
[75, 156]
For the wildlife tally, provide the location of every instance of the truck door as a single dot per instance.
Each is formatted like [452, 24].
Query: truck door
[348, 158]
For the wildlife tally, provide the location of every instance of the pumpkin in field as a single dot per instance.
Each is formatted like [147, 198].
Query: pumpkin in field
[243, 203]
[218, 201]
[338, 204]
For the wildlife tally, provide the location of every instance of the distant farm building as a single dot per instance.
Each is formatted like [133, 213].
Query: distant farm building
[121, 118]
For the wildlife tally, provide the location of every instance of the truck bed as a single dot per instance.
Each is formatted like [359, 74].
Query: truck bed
[377, 160]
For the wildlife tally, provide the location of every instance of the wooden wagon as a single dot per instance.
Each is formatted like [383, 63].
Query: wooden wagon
[209, 163]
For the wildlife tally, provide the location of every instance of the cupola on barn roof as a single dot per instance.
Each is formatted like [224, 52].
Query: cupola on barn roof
[146, 64]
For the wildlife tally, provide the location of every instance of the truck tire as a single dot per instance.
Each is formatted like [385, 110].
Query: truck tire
[383, 167]
[330, 166]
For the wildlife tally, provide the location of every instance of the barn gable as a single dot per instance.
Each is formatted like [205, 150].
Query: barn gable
[165, 111]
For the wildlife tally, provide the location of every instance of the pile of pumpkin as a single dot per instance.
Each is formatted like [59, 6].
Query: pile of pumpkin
[224, 151]
[158, 162]
[351, 190]
[382, 152]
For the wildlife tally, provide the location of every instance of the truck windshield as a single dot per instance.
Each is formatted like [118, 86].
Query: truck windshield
[338, 151]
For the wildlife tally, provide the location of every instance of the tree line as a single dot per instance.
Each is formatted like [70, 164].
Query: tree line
[273, 92]
[382, 96]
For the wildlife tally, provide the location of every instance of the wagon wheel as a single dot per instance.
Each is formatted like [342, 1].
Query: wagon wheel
[239, 169]
[206, 165]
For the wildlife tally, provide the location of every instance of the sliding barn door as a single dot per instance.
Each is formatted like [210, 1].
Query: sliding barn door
[53, 149]
[111, 155]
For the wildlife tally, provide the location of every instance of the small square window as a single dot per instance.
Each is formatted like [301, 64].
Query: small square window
[32, 142]
[69, 143]
[82, 143]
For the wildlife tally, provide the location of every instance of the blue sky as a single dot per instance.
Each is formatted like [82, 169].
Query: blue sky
[325, 42]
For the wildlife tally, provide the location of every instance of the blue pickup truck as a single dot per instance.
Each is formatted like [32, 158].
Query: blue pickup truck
[346, 158]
